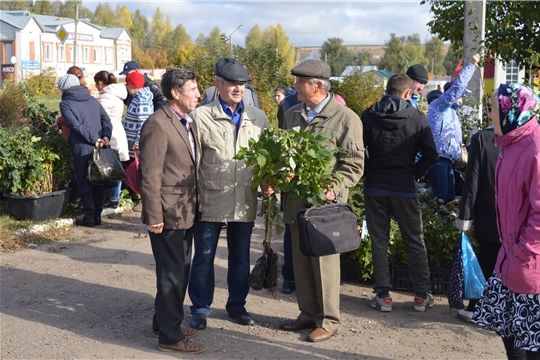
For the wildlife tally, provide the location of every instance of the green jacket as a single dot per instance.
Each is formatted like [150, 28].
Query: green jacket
[344, 129]
[225, 184]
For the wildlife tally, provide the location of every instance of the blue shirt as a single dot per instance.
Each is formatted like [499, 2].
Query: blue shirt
[234, 117]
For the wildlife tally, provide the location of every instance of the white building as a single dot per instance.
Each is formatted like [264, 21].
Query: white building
[29, 45]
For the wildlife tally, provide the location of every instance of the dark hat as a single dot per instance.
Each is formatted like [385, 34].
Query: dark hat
[312, 69]
[448, 85]
[418, 73]
[432, 95]
[129, 66]
[231, 70]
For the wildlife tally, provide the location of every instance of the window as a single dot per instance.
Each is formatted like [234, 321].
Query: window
[97, 55]
[108, 56]
[48, 52]
[61, 53]
[86, 54]
[512, 72]
[71, 53]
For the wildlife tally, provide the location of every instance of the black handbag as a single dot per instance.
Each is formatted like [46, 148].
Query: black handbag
[327, 230]
[105, 167]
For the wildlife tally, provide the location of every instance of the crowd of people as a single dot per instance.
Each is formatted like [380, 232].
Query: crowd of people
[192, 187]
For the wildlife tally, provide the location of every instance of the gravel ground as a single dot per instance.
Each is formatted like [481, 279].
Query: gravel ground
[92, 298]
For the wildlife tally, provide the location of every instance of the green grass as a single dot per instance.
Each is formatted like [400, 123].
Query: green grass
[51, 101]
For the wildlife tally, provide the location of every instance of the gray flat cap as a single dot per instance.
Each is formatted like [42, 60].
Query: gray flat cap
[231, 70]
[312, 69]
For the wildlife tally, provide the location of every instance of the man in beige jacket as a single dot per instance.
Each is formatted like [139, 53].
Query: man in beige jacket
[317, 278]
[226, 195]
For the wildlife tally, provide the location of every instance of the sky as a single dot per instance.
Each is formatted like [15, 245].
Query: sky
[307, 23]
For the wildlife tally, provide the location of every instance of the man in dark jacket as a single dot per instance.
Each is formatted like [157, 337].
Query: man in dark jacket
[394, 131]
[159, 98]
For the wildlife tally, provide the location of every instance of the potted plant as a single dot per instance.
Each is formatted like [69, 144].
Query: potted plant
[34, 163]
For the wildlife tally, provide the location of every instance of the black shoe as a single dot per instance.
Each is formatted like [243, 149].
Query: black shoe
[288, 286]
[198, 321]
[243, 318]
[97, 221]
[85, 222]
[111, 204]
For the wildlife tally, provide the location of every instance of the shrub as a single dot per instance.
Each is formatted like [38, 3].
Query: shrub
[13, 103]
[41, 85]
[440, 235]
[360, 91]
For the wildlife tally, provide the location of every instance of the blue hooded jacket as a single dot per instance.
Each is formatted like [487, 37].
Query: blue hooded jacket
[444, 120]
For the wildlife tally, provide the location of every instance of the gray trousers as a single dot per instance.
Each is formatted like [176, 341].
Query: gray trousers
[407, 213]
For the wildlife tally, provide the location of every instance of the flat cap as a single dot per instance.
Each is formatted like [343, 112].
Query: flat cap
[231, 70]
[312, 69]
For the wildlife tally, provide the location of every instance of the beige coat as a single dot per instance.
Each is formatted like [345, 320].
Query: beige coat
[168, 177]
[225, 183]
[344, 129]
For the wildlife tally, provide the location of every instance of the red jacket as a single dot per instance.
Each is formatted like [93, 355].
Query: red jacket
[517, 194]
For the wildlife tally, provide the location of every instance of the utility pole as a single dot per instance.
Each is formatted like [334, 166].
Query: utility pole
[473, 40]
[75, 35]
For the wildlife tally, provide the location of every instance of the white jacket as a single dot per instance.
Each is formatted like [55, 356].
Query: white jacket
[111, 98]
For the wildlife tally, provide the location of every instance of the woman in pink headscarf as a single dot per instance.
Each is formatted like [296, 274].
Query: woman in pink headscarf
[510, 302]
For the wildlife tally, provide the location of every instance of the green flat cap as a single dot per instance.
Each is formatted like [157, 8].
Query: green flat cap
[312, 69]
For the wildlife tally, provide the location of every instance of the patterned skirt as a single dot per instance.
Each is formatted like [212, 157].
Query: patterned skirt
[510, 314]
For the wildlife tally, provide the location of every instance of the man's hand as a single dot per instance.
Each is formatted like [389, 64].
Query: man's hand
[156, 229]
[475, 59]
[101, 143]
[330, 195]
[135, 147]
[267, 189]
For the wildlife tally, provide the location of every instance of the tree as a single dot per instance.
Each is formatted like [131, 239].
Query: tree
[336, 55]
[434, 53]
[139, 30]
[158, 30]
[104, 15]
[201, 40]
[402, 52]
[216, 43]
[178, 37]
[362, 58]
[390, 59]
[451, 60]
[15, 5]
[123, 17]
[276, 39]
[512, 27]
[43, 7]
[254, 38]
[56, 8]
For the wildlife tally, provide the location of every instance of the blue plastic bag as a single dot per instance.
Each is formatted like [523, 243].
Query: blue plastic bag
[473, 278]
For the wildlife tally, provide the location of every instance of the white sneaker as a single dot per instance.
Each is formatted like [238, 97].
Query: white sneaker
[465, 315]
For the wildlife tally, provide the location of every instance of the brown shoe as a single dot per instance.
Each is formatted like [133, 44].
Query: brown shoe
[297, 324]
[184, 346]
[321, 334]
[187, 332]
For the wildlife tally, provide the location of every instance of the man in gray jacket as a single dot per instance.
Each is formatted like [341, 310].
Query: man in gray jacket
[224, 126]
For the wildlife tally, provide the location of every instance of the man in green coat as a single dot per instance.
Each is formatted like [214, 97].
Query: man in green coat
[318, 278]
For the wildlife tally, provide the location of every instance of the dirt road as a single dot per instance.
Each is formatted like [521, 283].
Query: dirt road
[92, 298]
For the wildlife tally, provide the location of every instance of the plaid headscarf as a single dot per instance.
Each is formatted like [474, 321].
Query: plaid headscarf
[517, 105]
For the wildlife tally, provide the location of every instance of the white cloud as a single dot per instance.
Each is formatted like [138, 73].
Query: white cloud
[307, 22]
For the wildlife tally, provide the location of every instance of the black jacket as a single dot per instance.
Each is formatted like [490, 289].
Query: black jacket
[394, 132]
[478, 196]
[159, 98]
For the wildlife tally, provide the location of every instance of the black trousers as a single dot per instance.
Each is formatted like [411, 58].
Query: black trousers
[92, 202]
[172, 253]
[487, 257]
